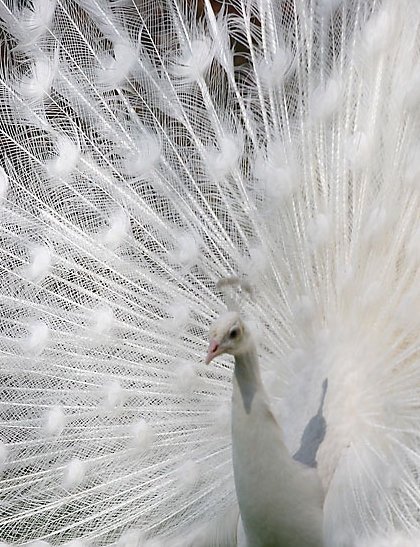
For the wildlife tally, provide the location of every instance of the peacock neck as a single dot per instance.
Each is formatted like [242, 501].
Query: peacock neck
[247, 377]
[280, 500]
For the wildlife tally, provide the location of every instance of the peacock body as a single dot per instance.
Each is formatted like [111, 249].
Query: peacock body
[149, 149]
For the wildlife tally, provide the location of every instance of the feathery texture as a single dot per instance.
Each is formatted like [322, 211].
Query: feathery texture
[148, 149]
[280, 500]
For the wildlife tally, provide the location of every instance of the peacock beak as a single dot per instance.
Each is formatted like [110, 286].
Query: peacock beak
[213, 351]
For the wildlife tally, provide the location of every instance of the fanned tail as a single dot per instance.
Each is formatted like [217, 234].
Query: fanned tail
[150, 149]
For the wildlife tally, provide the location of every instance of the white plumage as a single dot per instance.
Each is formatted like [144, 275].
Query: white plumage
[280, 500]
[148, 150]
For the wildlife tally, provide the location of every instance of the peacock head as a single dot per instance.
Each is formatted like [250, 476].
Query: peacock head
[228, 334]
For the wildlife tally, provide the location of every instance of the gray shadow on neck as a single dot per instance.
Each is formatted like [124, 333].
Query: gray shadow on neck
[248, 377]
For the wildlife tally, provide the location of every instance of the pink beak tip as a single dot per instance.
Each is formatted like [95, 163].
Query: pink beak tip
[212, 351]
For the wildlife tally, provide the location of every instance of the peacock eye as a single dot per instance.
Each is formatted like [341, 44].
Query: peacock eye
[234, 333]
